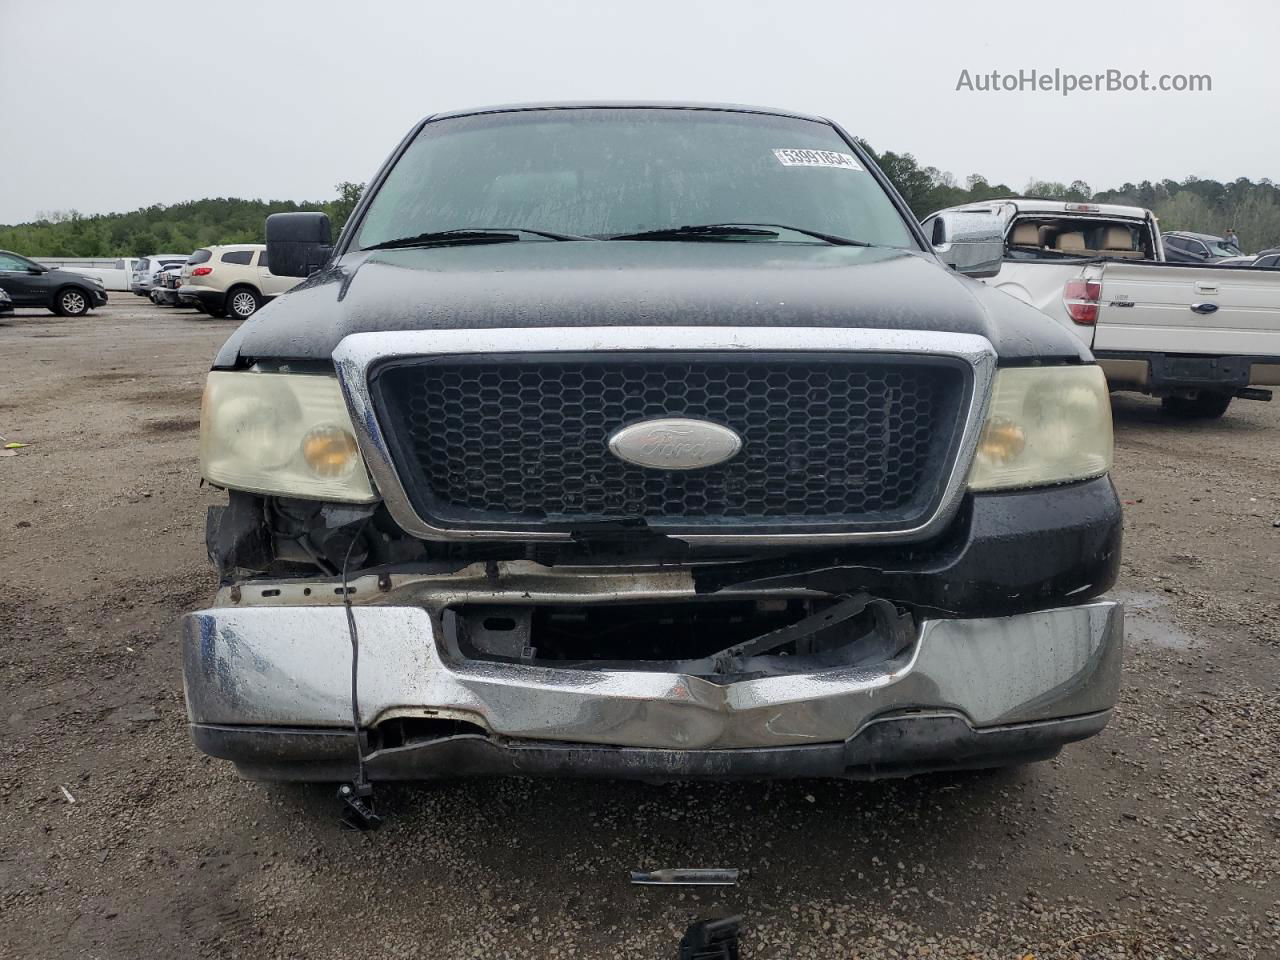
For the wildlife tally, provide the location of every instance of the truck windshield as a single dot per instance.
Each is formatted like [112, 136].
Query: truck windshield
[603, 172]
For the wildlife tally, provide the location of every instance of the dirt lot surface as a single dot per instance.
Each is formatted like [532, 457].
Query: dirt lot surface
[1159, 838]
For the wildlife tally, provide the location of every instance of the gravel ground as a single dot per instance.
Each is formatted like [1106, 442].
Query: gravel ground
[1158, 838]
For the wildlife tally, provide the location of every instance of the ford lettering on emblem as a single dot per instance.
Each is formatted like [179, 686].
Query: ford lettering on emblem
[675, 443]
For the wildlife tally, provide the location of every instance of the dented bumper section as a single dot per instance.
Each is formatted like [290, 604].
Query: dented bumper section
[268, 687]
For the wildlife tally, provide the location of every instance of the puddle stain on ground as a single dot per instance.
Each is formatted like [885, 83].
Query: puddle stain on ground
[114, 376]
[178, 396]
[1145, 622]
[171, 425]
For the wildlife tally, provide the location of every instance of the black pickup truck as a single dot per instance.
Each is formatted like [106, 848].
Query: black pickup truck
[649, 440]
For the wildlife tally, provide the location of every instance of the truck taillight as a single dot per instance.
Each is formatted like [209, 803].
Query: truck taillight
[1081, 298]
[202, 271]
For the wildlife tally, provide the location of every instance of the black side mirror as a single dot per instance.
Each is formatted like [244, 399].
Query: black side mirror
[298, 243]
[36, 271]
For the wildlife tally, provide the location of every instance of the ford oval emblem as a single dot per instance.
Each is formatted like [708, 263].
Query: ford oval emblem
[675, 443]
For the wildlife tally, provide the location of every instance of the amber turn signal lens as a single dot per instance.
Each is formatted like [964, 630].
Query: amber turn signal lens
[1002, 441]
[330, 451]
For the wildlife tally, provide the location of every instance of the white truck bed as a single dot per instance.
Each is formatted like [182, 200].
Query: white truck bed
[1188, 308]
[1198, 335]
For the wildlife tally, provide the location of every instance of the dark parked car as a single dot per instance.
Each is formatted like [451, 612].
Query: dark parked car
[1181, 246]
[31, 285]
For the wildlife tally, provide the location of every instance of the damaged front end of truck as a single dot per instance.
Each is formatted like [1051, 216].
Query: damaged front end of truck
[554, 465]
[618, 646]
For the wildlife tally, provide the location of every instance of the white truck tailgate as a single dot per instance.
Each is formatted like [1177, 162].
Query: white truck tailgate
[1188, 309]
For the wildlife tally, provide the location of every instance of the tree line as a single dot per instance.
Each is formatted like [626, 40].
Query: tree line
[176, 228]
[1204, 206]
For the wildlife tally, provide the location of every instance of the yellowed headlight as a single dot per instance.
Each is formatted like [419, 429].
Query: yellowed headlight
[1045, 425]
[281, 433]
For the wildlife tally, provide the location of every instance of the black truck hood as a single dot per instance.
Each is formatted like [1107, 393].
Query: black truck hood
[640, 283]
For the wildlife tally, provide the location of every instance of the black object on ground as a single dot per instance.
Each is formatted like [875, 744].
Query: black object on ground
[711, 940]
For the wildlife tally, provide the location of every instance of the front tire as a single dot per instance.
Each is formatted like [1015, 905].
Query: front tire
[243, 303]
[1205, 405]
[71, 302]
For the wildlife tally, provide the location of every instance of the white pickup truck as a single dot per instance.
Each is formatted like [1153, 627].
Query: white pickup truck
[1048, 241]
[1194, 335]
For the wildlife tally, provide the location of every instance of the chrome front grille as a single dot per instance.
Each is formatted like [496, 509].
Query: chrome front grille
[826, 442]
[503, 434]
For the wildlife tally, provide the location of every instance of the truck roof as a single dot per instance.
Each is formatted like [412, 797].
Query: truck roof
[1038, 205]
[626, 105]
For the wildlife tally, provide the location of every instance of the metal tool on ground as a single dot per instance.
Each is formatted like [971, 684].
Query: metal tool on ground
[686, 877]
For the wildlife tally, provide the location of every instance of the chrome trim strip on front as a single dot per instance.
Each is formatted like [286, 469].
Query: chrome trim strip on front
[291, 667]
[357, 352]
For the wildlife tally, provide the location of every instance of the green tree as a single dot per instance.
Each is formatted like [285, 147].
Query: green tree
[1185, 210]
[140, 245]
[339, 210]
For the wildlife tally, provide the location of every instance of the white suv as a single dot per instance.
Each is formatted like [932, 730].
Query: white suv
[230, 279]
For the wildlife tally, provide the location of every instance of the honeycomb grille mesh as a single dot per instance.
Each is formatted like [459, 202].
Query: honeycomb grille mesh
[837, 442]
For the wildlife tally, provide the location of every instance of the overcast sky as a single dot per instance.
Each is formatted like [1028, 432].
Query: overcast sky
[112, 106]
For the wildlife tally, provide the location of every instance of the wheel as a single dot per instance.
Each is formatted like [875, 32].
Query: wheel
[71, 302]
[1205, 405]
[243, 303]
[153, 298]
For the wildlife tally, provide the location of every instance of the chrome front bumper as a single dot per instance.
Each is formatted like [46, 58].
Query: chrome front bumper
[289, 668]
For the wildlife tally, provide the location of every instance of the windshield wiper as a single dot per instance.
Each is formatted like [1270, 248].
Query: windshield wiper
[717, 231]
[460, 235]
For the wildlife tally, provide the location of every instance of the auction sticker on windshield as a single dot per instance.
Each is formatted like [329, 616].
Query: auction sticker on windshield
[790, 157]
